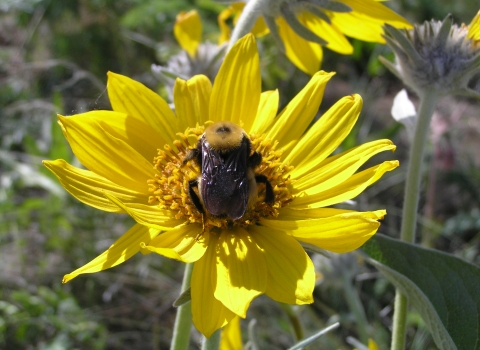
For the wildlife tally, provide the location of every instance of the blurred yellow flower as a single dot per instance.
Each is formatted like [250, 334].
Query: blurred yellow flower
[231, 338]
[234, 261]
[372, 345]
[188, 31]
[301, 27]
[474, 28]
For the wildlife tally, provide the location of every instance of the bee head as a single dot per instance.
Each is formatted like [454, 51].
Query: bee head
[224, 137]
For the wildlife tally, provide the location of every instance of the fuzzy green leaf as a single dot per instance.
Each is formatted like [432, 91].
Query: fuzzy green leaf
[444, 289]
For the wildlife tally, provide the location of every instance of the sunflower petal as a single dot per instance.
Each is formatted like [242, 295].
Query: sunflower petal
[341, 168]
[237, 87]
[225, 30]
[474, 28]
[366, 20]
[181, 243]
[344, 191]
[241, 270]
[89, 187]
[192, 98]
[231, 338]
[291, 274]
[305, 55]
[260, 28]
[135, 99]
[340, 233]
[123, 249]
[147, 215]
[188, 31]
[267, 110]
[316, 213]
[325, 135]
[336, 41]
[106, 155]
[299, 113]
[208, 313]
[136, 133]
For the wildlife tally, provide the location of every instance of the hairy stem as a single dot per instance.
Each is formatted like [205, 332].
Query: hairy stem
[294, 320]
[428, 101]
[247, 20]
[183, 321]
[212, 343]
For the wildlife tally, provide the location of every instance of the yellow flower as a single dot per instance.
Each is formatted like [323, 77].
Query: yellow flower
[188, 31]
[300, 27]
[259, 253]
[371, 345]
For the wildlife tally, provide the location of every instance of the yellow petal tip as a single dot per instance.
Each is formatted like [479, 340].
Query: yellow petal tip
[380, 214]
[67, 278]
[322, 72]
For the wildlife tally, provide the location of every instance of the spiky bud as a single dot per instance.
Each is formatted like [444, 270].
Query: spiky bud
[436, 55]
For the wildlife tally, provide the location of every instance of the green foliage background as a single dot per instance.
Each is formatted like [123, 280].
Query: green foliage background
[54, 56]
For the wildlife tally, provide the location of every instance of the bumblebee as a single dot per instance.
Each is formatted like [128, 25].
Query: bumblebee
[227, 185]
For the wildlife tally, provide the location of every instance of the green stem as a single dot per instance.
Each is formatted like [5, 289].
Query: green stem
[414, 171]
[355, 305]
[183, 321]
[294, 320]
[247, 20]
[399, 321]
[428, 236]
[410, 205]
[212, 343]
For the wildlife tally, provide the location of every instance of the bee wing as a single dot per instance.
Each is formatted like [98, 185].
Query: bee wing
[225, 187]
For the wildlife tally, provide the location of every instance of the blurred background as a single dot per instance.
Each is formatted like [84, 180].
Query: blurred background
[54, 56]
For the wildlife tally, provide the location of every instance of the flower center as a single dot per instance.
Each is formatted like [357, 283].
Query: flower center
[170, 188]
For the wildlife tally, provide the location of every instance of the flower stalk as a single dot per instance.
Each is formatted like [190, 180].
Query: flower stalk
[294, 321]
[212, 343]
[428, 101]
[414, 170]
[183, 320]
[247, 19]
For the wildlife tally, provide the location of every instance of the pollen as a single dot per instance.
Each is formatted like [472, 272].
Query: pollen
[169, 188]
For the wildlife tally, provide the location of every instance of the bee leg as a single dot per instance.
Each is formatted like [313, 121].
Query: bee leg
[254, 160]
[194, 197]
[192, 154]
[198, 204]
[204, 218]
[269, 195]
